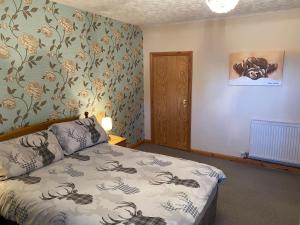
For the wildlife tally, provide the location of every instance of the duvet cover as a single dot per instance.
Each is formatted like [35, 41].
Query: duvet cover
[109, 185]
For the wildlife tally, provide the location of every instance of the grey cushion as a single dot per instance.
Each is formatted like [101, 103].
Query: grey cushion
[79, 134]
[27, 153]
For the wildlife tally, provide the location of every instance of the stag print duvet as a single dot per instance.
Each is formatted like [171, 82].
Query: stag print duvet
[109, 185]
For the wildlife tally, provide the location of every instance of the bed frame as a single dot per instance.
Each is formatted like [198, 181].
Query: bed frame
[33, 128]
[208, 218]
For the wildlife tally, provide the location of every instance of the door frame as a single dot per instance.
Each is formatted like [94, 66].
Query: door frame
[190, 77]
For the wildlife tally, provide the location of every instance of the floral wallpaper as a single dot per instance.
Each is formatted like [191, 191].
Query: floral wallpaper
[56, 61]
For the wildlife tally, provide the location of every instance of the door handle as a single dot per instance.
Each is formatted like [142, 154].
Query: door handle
[185, 102]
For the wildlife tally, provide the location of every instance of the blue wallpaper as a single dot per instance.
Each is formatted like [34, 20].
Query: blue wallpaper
[56, 61]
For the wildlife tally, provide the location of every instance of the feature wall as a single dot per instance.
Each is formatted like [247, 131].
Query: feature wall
[56, 61]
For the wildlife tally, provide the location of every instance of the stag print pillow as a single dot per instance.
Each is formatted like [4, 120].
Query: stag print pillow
[79, 134]
[27, 153]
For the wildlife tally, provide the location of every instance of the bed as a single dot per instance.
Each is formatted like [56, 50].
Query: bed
[109, 185]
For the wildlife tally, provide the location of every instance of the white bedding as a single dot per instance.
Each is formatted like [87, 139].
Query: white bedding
[109, 185]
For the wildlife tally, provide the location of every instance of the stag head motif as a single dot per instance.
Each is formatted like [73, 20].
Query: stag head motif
[80, 157]
[71, 193]
[154, 161]
[109, 151]
[91, 127]
[208, 172]
[182, 203]
[41, 148]
[16, 212]
[80, 139]
[27, 179]
[118, 184]
[68, 169]
[28, 165]
[116, 166]
[169, 178]
[135, 217]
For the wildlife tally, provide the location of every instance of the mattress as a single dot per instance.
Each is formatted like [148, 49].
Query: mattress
[108, 184]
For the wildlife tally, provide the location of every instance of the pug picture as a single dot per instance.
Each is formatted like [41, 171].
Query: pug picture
[256, 68]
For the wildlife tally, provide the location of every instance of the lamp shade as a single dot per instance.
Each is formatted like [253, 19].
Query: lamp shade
[106, 123]
[222, 6]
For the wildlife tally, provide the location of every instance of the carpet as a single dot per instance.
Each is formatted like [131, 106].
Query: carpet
[251, 195]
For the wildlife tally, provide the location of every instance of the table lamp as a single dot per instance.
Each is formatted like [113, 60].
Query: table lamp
[106, 123]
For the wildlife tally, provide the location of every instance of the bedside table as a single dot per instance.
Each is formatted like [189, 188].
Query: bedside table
[117, 140]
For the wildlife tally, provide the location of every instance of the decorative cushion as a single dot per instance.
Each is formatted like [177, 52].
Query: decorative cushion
[79, 134]
[27, 153]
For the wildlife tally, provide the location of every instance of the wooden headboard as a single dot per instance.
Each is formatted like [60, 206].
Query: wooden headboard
[33, 128]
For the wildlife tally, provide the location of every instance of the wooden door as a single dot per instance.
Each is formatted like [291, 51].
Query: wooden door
[171, 75]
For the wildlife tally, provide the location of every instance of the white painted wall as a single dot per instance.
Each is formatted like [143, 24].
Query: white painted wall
[221, 114]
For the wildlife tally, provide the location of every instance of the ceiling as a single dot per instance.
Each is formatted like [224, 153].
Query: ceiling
[145, 12]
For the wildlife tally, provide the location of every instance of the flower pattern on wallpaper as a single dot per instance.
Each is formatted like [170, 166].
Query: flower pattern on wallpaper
[56, 61]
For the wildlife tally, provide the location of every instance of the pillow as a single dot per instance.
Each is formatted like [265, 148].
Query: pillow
[79, 134]
[27, 153]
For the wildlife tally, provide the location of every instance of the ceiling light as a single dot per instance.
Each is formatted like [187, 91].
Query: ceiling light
[222, 6]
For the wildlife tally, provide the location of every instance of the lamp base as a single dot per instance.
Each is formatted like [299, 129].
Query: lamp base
[108, 135]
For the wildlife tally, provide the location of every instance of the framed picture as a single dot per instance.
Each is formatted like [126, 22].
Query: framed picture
[256, 68]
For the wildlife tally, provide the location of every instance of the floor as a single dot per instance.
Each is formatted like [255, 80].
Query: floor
[251, 195]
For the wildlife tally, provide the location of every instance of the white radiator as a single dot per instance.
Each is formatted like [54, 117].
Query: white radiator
[275, 141]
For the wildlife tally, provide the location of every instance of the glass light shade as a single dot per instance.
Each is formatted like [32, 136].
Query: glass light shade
[222, 6]
[106, 123]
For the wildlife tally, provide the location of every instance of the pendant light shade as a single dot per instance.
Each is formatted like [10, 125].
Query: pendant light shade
[222, 6]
